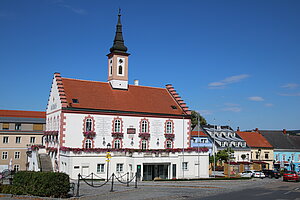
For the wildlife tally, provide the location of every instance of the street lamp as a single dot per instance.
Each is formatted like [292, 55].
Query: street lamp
[108, 156]
[198, 147]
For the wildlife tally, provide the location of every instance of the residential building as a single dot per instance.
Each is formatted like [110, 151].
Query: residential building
[262, 153]
[200, 139]
[113, 127]
[286, 148]
[224, 137]
[18, 131]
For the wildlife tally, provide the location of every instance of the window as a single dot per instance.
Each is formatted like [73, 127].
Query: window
[32, 140]
[144, 144]
[169, 144]
[88, 144]
[37, 127]
[88, 124]
[75, 100]
[117, 144]
[18, 140]
[5, 126]
[5, 139]
[120, 167]
[257, 155]
[120, 69]
[185, 166]
[100, 168]
[293, 157]
[169, 128]
[4, 155]
[144, 126]
[283, 157]
[17, 126]
[266, 155]
[202, 140]
[17, 154]
[16, 168]
[277, 156]
[117, 126]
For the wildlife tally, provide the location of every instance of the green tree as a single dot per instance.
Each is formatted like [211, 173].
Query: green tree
[223, 155]
[194, 119]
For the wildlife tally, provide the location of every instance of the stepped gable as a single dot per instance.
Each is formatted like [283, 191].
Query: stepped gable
[101, 96]
[178, 99]
[254, 139]
[61, 89]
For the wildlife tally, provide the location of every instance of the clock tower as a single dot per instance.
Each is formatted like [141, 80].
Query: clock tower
[118, 61]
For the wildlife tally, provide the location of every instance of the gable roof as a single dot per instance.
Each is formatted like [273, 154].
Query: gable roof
[22, 114]
[101, 96]
[198, 131]
[254, 139]
[281, 140]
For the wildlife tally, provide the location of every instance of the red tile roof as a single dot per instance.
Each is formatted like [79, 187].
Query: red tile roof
[22, 113]
[254, 139]
[100, 95]
[201, 133]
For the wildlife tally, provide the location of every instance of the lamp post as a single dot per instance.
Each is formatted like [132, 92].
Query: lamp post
[108, 156]
[214, 149]
[198, 146]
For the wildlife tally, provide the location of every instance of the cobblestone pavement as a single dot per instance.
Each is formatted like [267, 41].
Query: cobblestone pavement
[174, 190]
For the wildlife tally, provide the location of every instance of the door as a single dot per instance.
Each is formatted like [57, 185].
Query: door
[85, 171]
[174, 171]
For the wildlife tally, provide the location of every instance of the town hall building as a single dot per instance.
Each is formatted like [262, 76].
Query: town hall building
[113, 127]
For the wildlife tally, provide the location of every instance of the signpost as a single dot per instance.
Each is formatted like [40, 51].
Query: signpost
[108, 157]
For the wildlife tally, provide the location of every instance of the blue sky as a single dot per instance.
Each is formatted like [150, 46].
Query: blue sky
[236, 62]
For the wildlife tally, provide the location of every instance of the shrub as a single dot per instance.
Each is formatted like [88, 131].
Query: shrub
[49, 184]
[6, 189]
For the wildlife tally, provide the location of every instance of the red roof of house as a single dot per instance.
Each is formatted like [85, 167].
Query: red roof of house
[22, 113]
[201, 133]
[100, 95]
[254, 139]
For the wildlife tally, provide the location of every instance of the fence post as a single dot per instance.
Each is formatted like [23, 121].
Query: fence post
[77, 193]
[112, 183]
[135, 180]
[92, 179]
[127, 179]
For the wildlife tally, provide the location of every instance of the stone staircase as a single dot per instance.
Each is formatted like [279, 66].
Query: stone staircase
[45, 163]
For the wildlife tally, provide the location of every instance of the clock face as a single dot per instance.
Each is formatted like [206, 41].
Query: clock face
[120, 61]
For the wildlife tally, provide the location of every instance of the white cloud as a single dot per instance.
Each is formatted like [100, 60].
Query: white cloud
[75, 10]
[229, 80]
[269, 104]
[256, 98]
[205, 112]
[290, 94]
[290, 85]
[232, 109]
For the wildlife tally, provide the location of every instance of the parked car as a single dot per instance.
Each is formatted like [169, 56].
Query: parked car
[248, 173]
[271, 173]
[291, 176]
[259, 174]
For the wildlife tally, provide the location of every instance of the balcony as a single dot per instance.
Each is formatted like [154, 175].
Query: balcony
[144, 135]
[117, 135]
[89, 134]
[170, 136]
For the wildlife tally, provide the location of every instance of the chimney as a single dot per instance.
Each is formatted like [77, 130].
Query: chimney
[238, 129]
[256, 130]
[284, 131]
[136, 82]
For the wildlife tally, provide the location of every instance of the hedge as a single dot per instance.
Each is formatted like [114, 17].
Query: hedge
[46, 184]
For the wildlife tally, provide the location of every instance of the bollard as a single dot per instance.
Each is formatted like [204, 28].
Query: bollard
[92, 179]
[77, 193]
[127, 179]
[135, 185]
[112, 183]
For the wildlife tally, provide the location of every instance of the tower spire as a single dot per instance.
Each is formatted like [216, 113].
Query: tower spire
[118, 46]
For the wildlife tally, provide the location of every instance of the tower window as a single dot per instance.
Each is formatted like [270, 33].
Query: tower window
[120, 69]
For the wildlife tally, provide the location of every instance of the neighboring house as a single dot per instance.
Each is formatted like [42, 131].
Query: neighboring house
[18, 131]
[200, 139]
[262, 152]
[224, 137]
[145, 129]
[286, 148]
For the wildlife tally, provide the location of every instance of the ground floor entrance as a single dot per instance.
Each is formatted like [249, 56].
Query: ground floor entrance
[152, 171]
